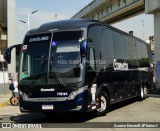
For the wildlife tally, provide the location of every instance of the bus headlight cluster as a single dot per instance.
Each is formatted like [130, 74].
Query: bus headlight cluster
[76, 92]
[24, 96]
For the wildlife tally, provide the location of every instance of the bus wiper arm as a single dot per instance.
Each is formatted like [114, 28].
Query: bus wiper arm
[43, 61]
[57, 74]
[39, 76]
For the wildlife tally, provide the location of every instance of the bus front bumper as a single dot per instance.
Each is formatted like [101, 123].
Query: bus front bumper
[59, 106]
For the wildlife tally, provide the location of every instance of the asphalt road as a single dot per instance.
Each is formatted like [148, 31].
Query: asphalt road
[127, 111]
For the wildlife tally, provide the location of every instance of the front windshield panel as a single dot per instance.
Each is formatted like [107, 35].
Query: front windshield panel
[34, 59]
[65, 57]
[51, 58]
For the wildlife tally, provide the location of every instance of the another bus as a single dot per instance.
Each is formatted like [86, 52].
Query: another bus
[81, 65]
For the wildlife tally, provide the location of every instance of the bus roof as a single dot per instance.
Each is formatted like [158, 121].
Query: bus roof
[69, 24]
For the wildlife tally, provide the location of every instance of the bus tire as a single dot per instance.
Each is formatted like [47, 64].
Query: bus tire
[141, 97]
[105, 103]
[14, 101]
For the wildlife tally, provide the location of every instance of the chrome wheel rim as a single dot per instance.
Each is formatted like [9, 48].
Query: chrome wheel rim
[142, 93]
[103, 104]
[145, 91]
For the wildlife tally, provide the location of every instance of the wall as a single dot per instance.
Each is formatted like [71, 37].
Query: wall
[3, 12]
[153, 7]
[4, 88]
[11, 33]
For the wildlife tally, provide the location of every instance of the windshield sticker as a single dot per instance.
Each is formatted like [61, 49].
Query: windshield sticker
[72, 48]
[54, 43]
[24, 47]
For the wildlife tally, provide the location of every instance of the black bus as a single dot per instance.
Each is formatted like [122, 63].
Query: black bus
[81, 65]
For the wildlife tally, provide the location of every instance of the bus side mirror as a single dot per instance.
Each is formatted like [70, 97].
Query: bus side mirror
[83, 49]
[7, 55]
[83, 46]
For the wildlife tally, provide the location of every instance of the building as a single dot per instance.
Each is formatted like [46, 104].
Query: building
[7, 30]
[3, 26]
[7, 38]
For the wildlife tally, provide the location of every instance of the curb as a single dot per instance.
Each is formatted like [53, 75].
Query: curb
[4, 103]
[153, 95]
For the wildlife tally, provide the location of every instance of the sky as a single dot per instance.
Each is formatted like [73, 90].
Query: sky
[141, 25]
[53, 10]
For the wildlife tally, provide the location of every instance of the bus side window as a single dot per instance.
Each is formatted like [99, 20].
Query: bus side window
[91, 66]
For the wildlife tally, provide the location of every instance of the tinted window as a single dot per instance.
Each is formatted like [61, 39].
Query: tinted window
[68, 35]
[107, 45]
[91, 66]
[121, 48]
[132, 44]
[117, 45]
[142, 54]
[95, 34]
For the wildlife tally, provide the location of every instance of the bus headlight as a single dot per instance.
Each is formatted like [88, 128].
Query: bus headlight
[24, 96]
[76, 92]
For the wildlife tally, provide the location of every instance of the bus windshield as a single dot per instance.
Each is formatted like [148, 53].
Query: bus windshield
[51, 58]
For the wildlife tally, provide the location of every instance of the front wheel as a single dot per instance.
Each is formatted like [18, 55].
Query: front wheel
[14, 101]
[104, 108]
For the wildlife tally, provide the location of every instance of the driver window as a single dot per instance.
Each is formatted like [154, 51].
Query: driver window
[91, 60]
[26, 66]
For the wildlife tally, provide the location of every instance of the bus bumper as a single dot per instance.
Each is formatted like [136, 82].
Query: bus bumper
[63, 106]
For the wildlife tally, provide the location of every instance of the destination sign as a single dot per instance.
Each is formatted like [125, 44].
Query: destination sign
[38, 38]
[35, 39]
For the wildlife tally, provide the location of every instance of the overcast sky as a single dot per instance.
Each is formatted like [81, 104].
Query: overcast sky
[142, 26]
[51, 10]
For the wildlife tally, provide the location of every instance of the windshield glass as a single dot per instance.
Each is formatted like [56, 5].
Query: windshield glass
[65, 57]
[47, 60]
[34, 59]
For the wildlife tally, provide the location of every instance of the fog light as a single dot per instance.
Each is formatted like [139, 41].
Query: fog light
[24, 96]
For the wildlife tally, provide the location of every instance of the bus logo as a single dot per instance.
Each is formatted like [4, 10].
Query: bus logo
[47, 90]
[120, 66]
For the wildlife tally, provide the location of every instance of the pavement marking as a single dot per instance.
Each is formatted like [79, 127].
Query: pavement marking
[5, 103]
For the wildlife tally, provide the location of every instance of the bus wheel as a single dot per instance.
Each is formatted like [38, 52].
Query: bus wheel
[14, 101]
[141, 93]
[104, 105]
[145, 91]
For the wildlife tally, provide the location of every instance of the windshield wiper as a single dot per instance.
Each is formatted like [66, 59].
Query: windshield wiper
[39, 77]
[57, 74]
[43, 61]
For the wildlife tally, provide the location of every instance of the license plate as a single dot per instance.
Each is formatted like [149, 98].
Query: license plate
[47, 107]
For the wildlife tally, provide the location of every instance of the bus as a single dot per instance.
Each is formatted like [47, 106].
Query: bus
[81, 65]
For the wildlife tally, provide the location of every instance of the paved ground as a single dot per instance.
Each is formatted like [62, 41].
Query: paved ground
[128, 111]
[4, 99]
